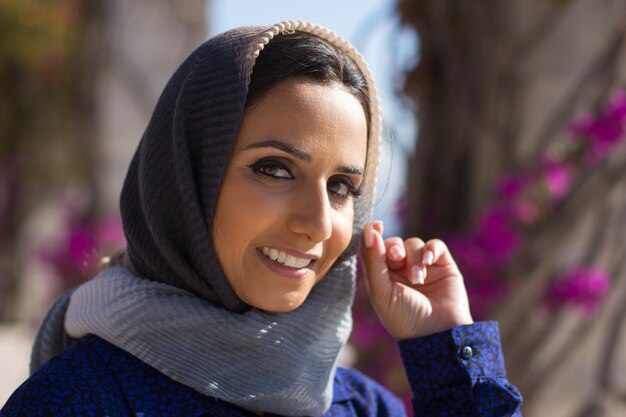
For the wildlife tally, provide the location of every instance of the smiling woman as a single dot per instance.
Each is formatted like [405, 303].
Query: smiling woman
[244, 208]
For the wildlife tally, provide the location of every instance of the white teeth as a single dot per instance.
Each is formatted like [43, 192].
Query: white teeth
[301, 263]
[287, 260]
[290, 261]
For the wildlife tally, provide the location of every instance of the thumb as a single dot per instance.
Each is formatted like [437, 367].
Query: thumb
[374, 259]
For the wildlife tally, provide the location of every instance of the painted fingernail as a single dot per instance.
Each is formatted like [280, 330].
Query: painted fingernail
[429, 257]
[416, 275]
[367, 236]
[397, 252]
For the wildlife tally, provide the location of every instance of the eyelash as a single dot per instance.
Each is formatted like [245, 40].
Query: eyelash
[268, 168]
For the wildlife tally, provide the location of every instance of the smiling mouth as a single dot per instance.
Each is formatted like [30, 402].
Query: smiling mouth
[285, 259]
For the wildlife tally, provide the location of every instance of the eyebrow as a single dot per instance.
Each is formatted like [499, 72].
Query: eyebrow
[350, 170]
[300, 154]
[285, 147]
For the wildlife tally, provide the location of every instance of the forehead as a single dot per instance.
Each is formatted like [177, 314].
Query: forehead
[315, 117]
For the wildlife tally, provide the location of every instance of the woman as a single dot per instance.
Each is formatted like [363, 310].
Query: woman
[243, 209]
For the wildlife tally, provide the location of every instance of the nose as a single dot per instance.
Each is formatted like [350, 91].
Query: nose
[311, 214]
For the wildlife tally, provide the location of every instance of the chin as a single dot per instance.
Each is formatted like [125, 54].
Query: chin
[282, 305]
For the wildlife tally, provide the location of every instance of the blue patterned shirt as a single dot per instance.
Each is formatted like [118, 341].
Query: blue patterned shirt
[459, 372]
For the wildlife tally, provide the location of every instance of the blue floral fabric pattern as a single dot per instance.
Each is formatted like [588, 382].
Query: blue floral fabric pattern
[95, 378]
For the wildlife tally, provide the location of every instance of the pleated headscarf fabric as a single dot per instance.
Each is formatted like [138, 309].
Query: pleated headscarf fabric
[176, 311]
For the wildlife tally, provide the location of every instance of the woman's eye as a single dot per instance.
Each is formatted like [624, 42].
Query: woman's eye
[343, 188]
[272, 168]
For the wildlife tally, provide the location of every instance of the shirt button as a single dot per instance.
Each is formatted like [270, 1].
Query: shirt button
[467, 352]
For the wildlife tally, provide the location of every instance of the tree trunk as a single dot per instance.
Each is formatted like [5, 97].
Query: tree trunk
[496, 85]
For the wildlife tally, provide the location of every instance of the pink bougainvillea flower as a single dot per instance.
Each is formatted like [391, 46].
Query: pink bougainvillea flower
[497, 235]
[110, 232]
[557, 177]
[510, 186]
[484, 296]
[74, 255]
[604, 130]
[366, 331]
[480, 273]
[523, 212]
[601, 129]
[583, 287]
[80, 247]
[617, 105]
[472, 259]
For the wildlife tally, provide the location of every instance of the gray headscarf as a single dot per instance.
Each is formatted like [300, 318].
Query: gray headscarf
[176, 311]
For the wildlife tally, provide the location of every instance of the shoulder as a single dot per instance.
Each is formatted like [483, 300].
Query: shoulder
[96, 378]
[367, 396]
[76, 382]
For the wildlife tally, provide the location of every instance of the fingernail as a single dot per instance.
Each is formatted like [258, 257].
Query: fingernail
[416, 275]
[367, 236]
[421, 276]
[380, 225]
[396, 251]
[428, 258]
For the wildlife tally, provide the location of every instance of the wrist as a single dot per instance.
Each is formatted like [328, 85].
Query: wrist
[438, 327]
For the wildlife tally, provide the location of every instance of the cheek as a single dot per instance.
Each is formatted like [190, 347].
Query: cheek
[243, 212]
[343, 226]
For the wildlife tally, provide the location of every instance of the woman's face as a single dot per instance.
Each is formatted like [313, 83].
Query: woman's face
[285, 209]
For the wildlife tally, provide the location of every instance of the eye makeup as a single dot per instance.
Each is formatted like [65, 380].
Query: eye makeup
[272, 168]
[341, 187]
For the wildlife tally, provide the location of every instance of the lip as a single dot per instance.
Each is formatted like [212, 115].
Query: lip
[292, 252]
[293, 273]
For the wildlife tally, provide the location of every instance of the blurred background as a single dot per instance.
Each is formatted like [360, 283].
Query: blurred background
[506, 126]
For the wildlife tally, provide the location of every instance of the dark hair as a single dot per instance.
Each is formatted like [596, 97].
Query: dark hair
[306, 55]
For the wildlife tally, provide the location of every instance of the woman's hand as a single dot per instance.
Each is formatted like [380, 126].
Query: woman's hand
[415, 287]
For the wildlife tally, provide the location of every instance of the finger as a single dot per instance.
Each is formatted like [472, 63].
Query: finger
[414, 255]
[396, 254]
[374, 261]
[378, 226]
[435, 252]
